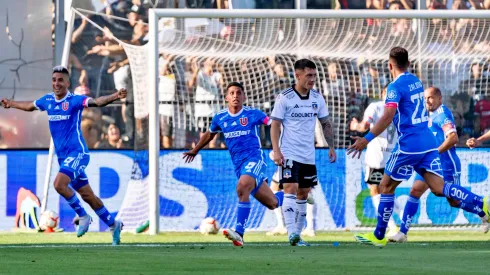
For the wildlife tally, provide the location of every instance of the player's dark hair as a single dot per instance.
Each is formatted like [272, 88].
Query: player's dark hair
[400, 56]
[303, 64]
[61, 69]
[235, 84]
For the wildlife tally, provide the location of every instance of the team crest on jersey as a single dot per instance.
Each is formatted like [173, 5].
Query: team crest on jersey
[244, 121]
[391, 95]
[286, 173]
[65, 106]
[314, 106]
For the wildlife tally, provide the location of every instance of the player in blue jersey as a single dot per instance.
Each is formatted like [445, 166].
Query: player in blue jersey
[416, 149]
[441, 124]
[65, 114]
[240, 126]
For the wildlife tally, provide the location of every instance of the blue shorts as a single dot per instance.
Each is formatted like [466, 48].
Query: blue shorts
[74, 167]
[254, 167]
[400, 166]
[449, 177]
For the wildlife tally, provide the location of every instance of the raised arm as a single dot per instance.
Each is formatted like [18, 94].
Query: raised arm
[27, 106]
[203, 141]
[105, 100]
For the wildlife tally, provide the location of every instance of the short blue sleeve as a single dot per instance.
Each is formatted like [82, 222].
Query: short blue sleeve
[215, 128]
[446, 123]
[41, 103]
[261, 118]
[393, 96]
[81, 101]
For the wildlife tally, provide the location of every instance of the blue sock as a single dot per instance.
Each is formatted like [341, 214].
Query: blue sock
[385, 209]
[454, 191]
[74, 203]
[280, 197]
[242, 217]
[105, 216]
[468, 207]
[408, 213]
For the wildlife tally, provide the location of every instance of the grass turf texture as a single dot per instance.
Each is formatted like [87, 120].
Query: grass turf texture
[191, 253]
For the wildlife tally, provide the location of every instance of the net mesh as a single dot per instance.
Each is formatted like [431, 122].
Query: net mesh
[198, 57]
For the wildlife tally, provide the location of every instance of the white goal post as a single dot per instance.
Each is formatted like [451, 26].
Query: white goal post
[156, 14]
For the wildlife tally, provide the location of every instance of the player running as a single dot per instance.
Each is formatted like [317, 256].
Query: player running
[377, 152]
[65, 113]
[416, 148]
[441, 123]
[240, 127]
[297, 110]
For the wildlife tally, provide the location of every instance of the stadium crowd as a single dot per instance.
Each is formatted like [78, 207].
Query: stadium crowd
[99, 65]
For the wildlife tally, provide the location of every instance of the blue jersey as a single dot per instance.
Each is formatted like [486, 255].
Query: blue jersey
[406, 94]
[242, 134]
[441, 123]
[65, 116]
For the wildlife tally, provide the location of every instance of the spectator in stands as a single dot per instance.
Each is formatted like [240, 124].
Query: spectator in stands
[478, 83]
[112, 139]
[207, 83]
[335, 84]
[167, 88]
[90, 132]
[482, 111]
[372, 81]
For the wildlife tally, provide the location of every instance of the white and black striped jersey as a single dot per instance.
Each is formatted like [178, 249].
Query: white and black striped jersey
[298, 115]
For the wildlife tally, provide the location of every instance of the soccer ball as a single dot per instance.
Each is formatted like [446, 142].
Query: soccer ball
[49, 220]
[209, 226]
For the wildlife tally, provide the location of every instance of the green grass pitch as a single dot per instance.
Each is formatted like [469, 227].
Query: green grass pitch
[429, 252]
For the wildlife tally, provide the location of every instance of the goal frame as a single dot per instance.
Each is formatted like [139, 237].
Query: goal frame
[156, 14]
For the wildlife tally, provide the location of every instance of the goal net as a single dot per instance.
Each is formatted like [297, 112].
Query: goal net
[197, 57]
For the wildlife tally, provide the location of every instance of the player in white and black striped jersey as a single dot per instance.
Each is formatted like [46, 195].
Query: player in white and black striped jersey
[297, 109]
[377, 153]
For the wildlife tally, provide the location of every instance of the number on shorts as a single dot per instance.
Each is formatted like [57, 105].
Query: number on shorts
[249, 166]
[67, 161]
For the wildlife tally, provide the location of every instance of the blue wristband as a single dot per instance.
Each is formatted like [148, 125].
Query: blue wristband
[370, 136]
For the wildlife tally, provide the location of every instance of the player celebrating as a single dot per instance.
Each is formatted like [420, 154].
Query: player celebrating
[377, 152]
[297, 109]
[441, 123]
[416, 148]
[65, 112]
[240, 127]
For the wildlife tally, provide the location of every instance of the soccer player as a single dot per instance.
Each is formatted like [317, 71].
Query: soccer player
[377, 152]
[477, 142]
[416, 148]
[65, 112]
[441, 123]
[297, 109]
[240, 125]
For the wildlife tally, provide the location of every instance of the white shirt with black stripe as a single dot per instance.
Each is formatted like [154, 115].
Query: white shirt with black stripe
[298, 115]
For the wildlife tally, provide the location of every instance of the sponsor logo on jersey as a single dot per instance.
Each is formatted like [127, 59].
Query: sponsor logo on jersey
[296, 106]
[65, 105]
[56, 108]
[233, 124]
[235, 134]
[58, 117]
[244, 121]
[303, 114]
[314, 106]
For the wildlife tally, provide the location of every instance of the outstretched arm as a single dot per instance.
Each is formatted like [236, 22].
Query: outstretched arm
[205, 139]
[105, 100]
[27, 106]
[476, 142]
[378, 128]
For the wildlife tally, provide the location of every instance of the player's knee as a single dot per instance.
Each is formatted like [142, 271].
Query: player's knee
[273, 204]
[302, 193]
[437, 191]
[373, 190]
[244, 188]
[416, 193]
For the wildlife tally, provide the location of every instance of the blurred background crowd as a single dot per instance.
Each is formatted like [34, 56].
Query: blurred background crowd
[99, 66]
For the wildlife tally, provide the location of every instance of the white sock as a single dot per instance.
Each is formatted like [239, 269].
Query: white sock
[310, 216]
[396, 208]
[289, 212]
[375, 200]
[300, 215]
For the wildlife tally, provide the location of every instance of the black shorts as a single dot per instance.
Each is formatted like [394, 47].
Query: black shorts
[373, 176]
[296, 172]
